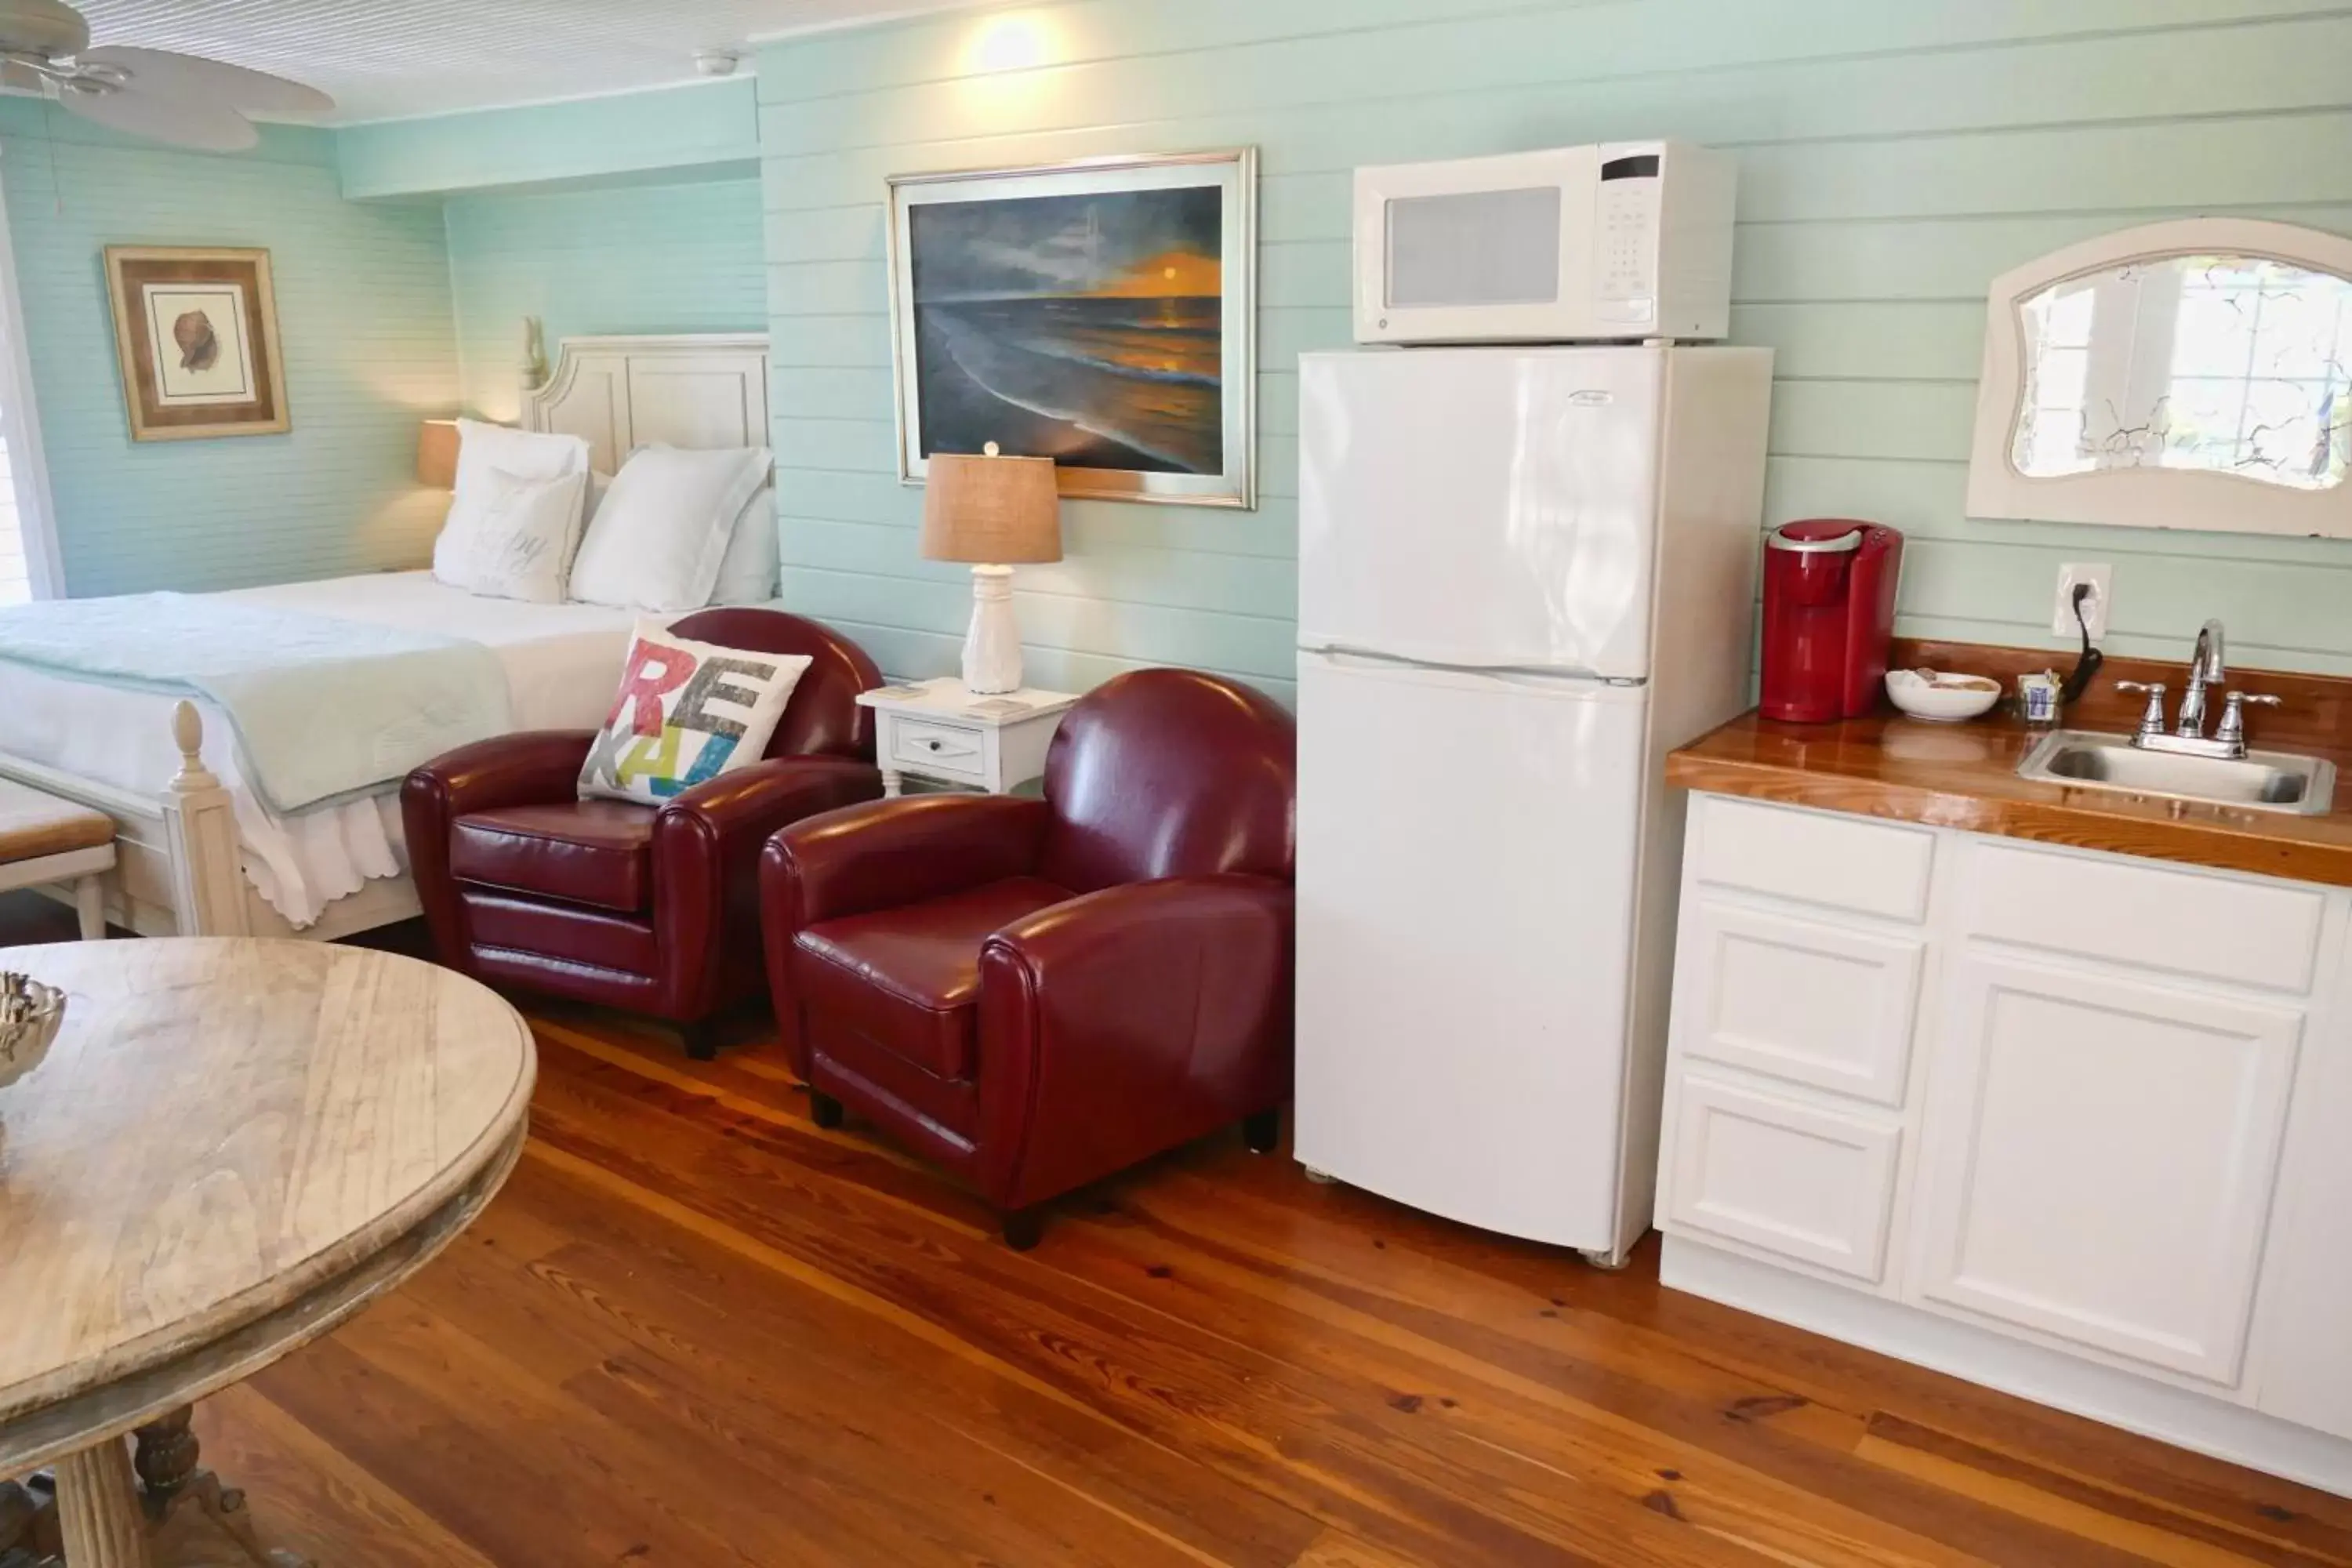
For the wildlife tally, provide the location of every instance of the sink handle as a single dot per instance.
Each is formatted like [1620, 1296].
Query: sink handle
[2232, 732]
[2151, 719]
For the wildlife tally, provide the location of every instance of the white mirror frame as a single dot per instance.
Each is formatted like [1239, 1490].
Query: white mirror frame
[2139, 496]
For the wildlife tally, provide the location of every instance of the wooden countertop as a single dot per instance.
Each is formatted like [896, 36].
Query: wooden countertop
[1965, 775]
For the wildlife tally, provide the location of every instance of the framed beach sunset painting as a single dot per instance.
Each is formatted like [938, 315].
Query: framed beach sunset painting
[1098, 313]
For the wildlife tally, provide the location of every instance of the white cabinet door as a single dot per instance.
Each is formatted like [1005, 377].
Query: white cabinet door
[1829, 1006]
[1781, 1177]
[2304, 1372]
[2098, 1159]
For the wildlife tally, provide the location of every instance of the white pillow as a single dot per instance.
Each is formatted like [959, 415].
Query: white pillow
[664, 526]
[747, 575]
[524, 536]
[687, 713]
[482, 450]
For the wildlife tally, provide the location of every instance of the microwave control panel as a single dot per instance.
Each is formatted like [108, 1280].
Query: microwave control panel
[1626, 235]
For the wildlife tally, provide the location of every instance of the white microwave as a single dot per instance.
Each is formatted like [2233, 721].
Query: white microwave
[1624, 241]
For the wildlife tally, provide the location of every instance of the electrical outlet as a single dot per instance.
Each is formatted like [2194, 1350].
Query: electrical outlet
[2101, 577]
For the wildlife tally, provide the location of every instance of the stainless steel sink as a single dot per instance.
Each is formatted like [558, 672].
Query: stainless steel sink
[2261, 781]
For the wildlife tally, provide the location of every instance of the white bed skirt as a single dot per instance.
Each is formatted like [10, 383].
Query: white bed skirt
[562, 665]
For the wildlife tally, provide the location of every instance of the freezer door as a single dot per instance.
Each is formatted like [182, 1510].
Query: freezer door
[1488, 507]
[1466, 850]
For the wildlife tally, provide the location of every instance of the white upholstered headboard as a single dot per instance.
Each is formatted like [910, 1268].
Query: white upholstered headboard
[702, 390]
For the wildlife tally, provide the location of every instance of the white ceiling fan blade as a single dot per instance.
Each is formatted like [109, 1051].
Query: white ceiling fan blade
[43, 26]
[210, 127]
[193, 78]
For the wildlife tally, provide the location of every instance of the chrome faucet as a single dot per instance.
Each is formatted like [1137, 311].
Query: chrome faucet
[2208, 667]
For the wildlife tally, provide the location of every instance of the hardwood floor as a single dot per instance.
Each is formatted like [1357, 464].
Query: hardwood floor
[698, 1330]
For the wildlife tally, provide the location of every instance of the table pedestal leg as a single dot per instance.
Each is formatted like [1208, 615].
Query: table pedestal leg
[97, 1509]
[157, 1510]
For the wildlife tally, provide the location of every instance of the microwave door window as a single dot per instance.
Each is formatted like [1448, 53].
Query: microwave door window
[1477, 248]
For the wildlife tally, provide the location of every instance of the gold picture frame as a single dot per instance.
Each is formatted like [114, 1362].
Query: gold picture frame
[195, 330]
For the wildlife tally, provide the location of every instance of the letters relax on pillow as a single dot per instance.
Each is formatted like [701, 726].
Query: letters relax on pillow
[687, 713]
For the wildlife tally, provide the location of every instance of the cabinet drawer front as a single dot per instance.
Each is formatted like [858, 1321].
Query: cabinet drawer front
[2098, 1158]
[940, 748]
[1806, 1183]
[1813, 857]
[1795, 999]
[2186, 923]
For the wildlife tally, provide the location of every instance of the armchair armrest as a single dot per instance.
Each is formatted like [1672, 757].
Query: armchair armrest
[1128, 1021]
[526, 768]
[893, 852]
[754, 802]
[529, 768]
[706, 858]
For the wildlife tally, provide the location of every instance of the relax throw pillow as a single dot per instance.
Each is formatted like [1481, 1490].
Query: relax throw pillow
[687, 711]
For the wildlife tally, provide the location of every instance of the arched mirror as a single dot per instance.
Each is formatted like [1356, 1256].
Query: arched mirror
[2192, 374]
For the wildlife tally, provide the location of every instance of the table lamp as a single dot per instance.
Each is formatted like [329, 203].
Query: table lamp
[437, 454]
[992, 512]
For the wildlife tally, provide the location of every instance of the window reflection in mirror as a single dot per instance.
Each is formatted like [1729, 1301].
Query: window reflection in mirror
[2230, 363]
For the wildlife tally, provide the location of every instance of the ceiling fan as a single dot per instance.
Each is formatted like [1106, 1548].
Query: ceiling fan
[185, 99]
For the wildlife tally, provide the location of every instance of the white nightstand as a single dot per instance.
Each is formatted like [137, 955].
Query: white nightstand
[936, 729]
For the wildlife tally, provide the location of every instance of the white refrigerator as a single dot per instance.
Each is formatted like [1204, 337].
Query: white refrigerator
[1525, 576]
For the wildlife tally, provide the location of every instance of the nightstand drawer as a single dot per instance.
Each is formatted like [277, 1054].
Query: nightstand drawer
[936, 748]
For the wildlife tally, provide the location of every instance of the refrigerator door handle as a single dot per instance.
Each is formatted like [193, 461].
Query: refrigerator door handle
[1521, 673]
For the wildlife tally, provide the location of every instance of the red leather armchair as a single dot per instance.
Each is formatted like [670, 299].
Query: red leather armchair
[1037, 993]
[651, 909]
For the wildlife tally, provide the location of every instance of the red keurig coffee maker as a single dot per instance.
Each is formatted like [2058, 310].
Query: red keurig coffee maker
[1828, 612]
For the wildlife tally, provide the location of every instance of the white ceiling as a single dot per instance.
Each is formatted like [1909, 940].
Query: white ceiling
[383, 58]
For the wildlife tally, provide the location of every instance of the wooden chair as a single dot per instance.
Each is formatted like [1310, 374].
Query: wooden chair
[45, 841]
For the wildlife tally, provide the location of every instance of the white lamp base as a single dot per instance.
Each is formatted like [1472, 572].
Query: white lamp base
[991, 648]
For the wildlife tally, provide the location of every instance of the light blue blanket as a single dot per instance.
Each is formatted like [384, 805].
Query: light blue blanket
[322, 707]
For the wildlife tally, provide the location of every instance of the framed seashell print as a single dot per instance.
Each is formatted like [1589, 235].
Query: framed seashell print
[196, 331]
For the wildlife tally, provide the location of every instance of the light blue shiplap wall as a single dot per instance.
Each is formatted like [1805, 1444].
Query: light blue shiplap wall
[369, 348]
[655, 136]
[634, 259]
[1895, 157]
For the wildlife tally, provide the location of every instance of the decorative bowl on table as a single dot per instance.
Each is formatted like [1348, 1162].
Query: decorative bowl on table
[1941, 696]
[30, 1012]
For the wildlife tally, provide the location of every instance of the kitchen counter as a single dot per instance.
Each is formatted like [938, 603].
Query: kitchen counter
[1964, 776]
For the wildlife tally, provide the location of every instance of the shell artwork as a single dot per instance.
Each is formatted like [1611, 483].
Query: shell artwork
[199, 345]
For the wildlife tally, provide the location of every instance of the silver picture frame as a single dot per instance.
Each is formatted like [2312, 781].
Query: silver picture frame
[1233, 173]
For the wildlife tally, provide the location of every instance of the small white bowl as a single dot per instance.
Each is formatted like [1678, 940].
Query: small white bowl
[1941, 696]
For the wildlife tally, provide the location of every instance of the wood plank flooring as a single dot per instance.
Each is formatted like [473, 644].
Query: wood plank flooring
[697, 1330]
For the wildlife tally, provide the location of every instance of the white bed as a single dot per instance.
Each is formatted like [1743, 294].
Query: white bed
[562, 662]
[199, 853]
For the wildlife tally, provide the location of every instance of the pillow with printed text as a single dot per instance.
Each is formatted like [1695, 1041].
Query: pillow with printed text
[687, 712]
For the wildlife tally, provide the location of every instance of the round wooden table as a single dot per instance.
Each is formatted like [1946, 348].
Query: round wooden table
[231, 1146]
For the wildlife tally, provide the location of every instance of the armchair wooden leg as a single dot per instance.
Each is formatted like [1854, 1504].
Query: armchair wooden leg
[1261, 1132]
[824, 1110]
[701, 1037]
[1024, 1226]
